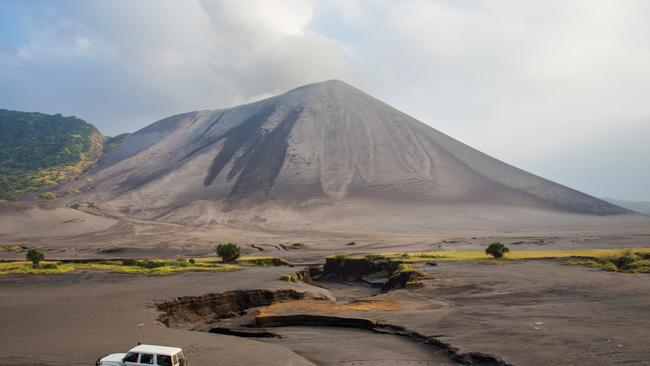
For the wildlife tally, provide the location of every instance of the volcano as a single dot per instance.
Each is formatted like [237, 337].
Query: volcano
[320, 143]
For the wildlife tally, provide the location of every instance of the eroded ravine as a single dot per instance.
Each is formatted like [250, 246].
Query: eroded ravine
[296, 320]
[316, 324]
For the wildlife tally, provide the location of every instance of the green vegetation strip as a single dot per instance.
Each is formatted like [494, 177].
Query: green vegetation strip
[628, 262]
[130, 266]
[515, 254]
[154, 267]
[263, 261]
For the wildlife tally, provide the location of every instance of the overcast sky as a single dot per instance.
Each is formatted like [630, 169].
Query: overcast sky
[558, 88]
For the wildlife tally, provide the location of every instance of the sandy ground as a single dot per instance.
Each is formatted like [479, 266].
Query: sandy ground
[539, 313]
[72, 319]
[103, 233]
[528, 313]
[358, 347]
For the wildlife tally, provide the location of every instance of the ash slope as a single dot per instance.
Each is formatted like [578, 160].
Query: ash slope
[324, 141]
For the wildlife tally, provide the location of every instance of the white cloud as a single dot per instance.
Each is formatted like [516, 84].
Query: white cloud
[263, 47]
[528, 82]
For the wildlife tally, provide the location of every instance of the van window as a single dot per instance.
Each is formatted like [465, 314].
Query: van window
[131, 357]
[164, 360]
[146, 359]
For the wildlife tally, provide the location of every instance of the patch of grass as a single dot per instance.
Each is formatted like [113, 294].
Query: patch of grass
[292, 277]
[405, 267]
[11, 248]
[47, 195]
[145, 267]
[629, 261]
[26, 267]
[372, 257]
[340, 257]
[414, 283]
[263, 261]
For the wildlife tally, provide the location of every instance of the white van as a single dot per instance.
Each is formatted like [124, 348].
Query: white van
[146, 354]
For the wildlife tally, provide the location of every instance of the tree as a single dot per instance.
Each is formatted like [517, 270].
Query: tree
[497, 250]
[47, 195]
[35, 255]
[228, 251]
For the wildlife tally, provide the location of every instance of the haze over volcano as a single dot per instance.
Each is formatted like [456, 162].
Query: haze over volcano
[321, 143]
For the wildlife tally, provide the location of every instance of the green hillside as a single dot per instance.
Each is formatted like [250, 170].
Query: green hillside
[113, 142]
[38, 149]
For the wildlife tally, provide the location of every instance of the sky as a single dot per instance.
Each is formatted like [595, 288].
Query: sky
[560, 88]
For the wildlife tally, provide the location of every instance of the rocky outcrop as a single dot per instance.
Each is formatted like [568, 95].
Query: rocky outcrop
[354, 269]
[376, 271]
[403, 279]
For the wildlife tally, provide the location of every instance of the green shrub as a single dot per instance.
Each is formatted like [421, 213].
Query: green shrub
[340, 257]
[229, 252]
[610, 267]
[71, 192]
[643, 255]
[130, 262]
[433, 255]
[628, 263]
[624, 261]
[144, 263]
[149, 264]
[47, 195]
[404, 267]
[192, 261]
[497, 250]
[49, 266]
[264, 262]
[35, 256]
[182, 262]
[584, 262]
[292, 277]
[372, 257]
[413, 283]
